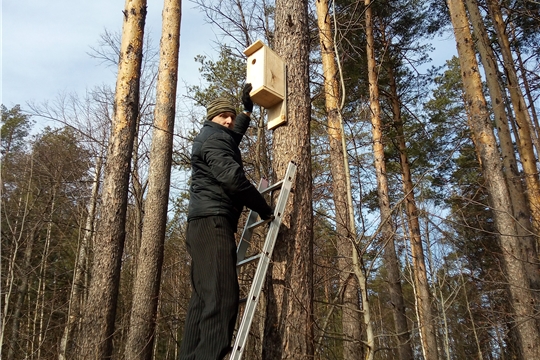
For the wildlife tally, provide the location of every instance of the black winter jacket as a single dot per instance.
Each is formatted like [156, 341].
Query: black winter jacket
[218, 183]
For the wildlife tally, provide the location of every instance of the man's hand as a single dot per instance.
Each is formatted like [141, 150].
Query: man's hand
[268, 216]
[246, 99]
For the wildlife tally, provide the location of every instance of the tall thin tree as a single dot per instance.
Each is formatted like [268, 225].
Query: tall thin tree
[350, 302]
[77, 287]
[526, 136]
[391, 261]
[484, 140]
[140, 339]
[426, 326]
[96, 337]
[513, 178]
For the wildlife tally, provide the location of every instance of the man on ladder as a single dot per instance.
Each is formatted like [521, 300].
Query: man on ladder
[219, 190]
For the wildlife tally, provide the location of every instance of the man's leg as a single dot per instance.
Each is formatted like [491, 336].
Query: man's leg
[192, 333]
[216, 282]
[221, 293]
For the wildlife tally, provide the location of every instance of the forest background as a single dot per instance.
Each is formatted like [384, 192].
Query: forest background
[440, 276]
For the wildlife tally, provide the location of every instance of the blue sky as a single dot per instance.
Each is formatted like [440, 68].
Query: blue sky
[45, 45]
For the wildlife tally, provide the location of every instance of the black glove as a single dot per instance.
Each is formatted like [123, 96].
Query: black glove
[246, 99]
[269, 217]
[267, 213]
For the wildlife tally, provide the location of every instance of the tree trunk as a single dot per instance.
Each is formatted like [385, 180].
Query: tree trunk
[390, 258]
[351, 321]
[137, 189]
[425, 317]
[22, 290]
[525, 136]
[359, 270]
[527, 88]
[289, 314]
[39, 313]
[77, 289]
[96, 338]
[441, 305]
[513, 179]
[471, 317]
[520, 294]
[143, 317]
[17, 234]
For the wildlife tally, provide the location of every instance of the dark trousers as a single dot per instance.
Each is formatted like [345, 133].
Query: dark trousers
[214, 301]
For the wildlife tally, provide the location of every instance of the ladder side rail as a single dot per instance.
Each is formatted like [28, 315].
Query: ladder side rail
[279, 210]
[249, 311]
[262, 268]
[244, 242]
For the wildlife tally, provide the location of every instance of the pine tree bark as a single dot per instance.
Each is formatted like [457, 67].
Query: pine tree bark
[428, 333]
[96, 337]
[525, 136]
[520, 295]
[351, 321]
[513, 179]
[387, 231]
[147, 282]
[289, 311]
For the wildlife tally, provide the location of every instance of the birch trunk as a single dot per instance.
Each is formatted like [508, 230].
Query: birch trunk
[471, 317]
[390, 258]
[289, 290]
[96, 338]
[77, 289]
[42, 282]
[519, 291]
[17, 232]
[22, 290]
[438, 286]
[147, 282]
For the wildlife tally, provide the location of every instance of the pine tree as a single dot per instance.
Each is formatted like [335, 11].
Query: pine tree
[289, 314]
[487, 150]
[100, 308]
[141, 334]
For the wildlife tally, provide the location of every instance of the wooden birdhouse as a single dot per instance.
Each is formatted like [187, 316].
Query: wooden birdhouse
[266, 72]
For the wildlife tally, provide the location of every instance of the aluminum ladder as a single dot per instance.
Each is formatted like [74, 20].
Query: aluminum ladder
[263, 257]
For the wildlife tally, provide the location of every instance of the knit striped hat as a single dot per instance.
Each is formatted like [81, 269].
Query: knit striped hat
[219, 106]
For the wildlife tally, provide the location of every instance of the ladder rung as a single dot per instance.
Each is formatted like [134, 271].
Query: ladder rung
[273, 187]
[249, 259]
[258, 223]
